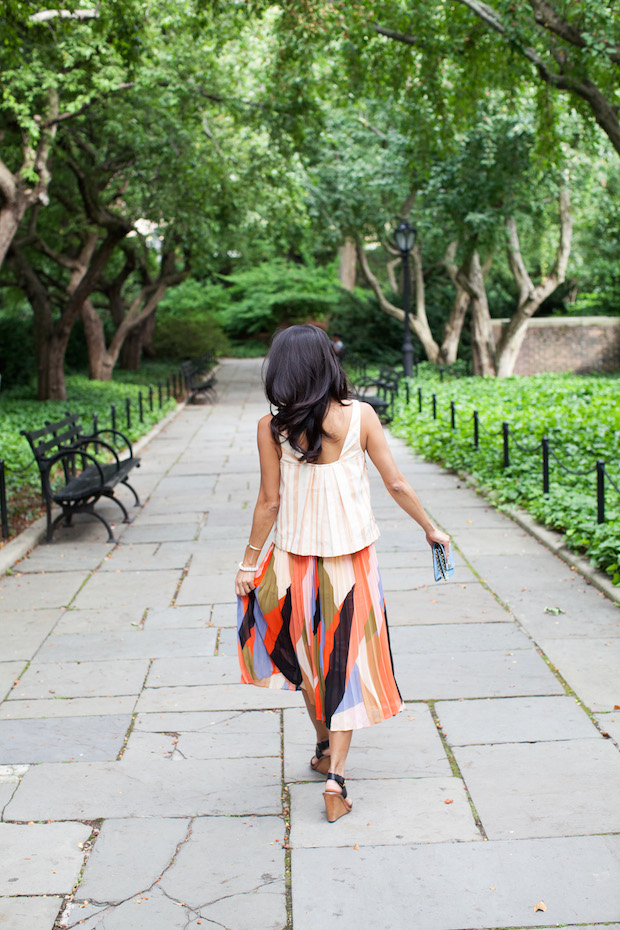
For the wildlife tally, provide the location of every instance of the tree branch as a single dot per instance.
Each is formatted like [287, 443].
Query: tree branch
[44, 16]
[547, 17]
[397, 36]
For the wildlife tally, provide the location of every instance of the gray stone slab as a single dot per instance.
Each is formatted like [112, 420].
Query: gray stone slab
[514, 720]
[410, 579]
[67, 707]
[40, 858]
[198, 588]
[199, 670]
[146, 518]
[25, 913]
[166, 531]
[73, 739]
[610, 723]
[93, 620]
[22, 632]
[161, 789]
[225, 614]
[205, 736]
[235, 891]
[407, 743]
[227, 640]
[31, 592]
[128, 590]
[179, 618]
[458, 886]
[152, 557]
[129, 856]
[591, 667]
[457, 637]
[215, 697]
[62, 557]
[419, 810]
[9, 674]
[81, 679]
[511, 541]
[453, 603]
[473, 674]
[524, 790]
[151, 911]
[134, 644]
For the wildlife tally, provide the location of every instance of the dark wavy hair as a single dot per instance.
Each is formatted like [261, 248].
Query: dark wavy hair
[302, 376]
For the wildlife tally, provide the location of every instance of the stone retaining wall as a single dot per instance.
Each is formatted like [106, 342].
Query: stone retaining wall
[582, 345]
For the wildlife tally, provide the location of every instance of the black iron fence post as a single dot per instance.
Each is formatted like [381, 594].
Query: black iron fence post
[434, 406]
[95, 423]
[128, 411]
[159, 392]
[407, 391]
[476, 429]
[168, 388]
[545, 464]
[151, 397]
[419, 400]
[505, 435]
[441, 372]
[4, 516]
[600, 491]
[452, 415]
[113, 415]
[140, 407]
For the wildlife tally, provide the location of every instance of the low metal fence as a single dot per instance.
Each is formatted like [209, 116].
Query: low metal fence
[543, 447]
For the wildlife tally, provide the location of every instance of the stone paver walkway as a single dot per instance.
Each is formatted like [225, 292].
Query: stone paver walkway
[142, 787]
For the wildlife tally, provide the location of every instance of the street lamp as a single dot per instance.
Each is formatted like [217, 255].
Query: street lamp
[404, 237]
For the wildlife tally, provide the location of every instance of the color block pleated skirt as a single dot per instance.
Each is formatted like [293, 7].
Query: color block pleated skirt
[319, 623]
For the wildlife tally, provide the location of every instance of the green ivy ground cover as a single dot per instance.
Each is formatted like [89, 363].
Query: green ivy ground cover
[19, 411]
[581, 417]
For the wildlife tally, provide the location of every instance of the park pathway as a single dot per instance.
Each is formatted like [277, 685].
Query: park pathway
[135, 767]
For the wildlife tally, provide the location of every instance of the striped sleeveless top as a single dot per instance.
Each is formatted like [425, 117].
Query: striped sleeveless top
[325, 510]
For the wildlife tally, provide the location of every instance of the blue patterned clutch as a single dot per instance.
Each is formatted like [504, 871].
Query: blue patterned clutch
[442, 566]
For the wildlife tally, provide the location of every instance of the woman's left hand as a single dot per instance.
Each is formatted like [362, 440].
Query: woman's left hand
[433, 535]
[244, 582]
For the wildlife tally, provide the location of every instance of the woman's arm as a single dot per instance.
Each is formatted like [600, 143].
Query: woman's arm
[267, 505]
[374, 442]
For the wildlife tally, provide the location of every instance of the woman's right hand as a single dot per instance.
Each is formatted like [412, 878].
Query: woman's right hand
[244, 582]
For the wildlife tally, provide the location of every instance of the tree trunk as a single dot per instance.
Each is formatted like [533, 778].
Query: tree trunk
[100, 362]
[454, 326]
[471, 279]
[348, 264]
[10, 218]
[131, 351]
[418, 321]
[530, 296]
[148, 349]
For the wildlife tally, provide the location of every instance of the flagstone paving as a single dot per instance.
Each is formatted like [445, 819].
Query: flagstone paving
[143, 788]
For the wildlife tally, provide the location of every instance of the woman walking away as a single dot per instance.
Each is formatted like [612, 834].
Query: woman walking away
[312, 615]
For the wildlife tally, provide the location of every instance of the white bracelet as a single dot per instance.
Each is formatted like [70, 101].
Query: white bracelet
[247, 568]
[255, 548]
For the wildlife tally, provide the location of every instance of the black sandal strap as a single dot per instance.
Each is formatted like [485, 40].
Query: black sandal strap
[339, 779]
[320, 747]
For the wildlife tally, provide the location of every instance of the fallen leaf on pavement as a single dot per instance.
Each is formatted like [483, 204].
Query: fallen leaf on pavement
[541, 906]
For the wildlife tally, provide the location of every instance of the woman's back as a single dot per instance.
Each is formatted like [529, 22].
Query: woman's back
[325, 506]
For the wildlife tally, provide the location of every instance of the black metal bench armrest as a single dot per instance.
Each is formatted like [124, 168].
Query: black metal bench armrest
[94, 440]
[69, 453]
[117, 432]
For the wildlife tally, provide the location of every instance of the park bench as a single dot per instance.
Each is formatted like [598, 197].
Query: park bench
[379, 392]
[198, 380]
[78, 469]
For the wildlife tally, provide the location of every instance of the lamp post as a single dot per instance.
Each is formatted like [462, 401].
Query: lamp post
[404, 236]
